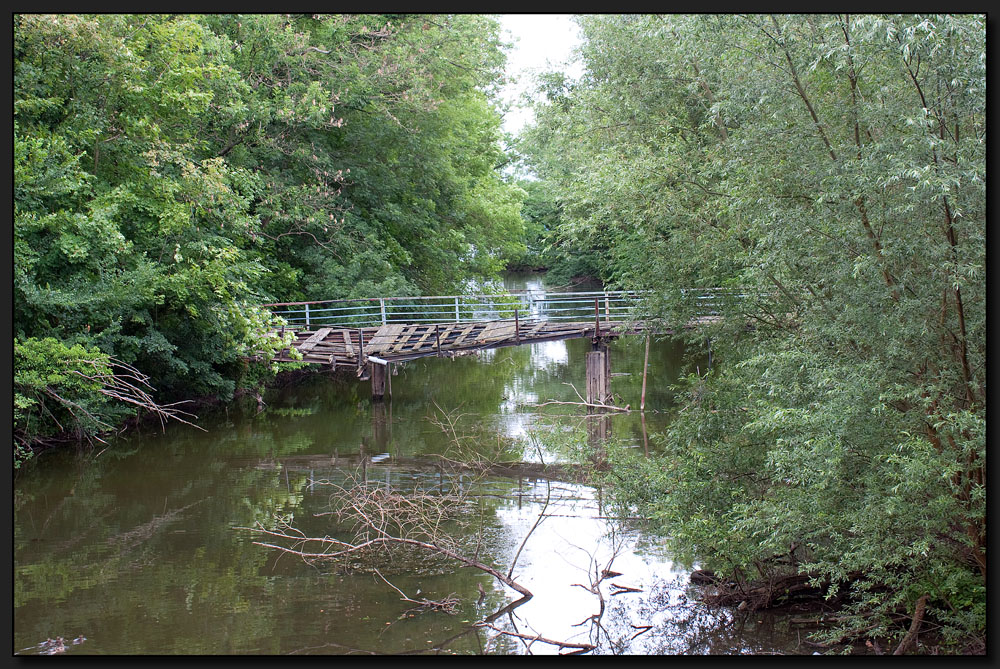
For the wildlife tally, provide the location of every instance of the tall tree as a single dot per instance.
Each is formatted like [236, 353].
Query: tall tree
[833, 169]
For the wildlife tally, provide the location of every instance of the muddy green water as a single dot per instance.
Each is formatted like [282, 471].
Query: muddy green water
[137, 548]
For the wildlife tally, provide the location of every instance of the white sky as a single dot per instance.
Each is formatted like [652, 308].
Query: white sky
[541, 42]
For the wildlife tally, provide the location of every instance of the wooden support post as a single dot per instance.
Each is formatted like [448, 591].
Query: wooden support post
[361, 347]
[598, 376]
[437, 338]
[517, 329]
[379, 373]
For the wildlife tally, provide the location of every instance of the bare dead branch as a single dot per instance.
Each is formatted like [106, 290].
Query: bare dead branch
[581, 647]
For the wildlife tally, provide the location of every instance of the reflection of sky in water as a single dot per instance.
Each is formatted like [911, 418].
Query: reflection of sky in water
[516, 414]
[571, 546]
[548, 354]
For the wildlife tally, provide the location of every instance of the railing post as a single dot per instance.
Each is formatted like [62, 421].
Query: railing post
[456, 309]
[597, 319]
[307, 316]
[361, 347]
[517, 329]
[381, 303]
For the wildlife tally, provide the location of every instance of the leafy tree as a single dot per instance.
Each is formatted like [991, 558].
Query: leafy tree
[174, 171]
[832, 168]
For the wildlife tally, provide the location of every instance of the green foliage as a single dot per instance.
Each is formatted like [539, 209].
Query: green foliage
[172, 171]
[55, 392]
[833, 169]
[550, 245]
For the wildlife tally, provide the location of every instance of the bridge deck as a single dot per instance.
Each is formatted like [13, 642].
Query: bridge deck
[397, 342]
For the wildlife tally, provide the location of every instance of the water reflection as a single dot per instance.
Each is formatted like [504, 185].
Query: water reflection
[137, 550]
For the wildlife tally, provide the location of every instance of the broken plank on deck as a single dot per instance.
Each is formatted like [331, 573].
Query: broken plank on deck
[310, 343]
[384, 338]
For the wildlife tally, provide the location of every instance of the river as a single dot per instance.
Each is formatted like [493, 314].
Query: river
[140, 547]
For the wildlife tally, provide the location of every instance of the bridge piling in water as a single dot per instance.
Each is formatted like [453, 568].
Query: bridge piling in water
[599, 374]
[381, 381]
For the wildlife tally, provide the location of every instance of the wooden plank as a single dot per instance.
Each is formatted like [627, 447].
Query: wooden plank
[403, 338]
[444, 331]
[316, 338]
[415, 337]
[534, 331]
[348, 345]
[496, 331]
[598, 377]
[465, 333]
[424, 337]
[383, 338]
[564, 331]
[328, 345]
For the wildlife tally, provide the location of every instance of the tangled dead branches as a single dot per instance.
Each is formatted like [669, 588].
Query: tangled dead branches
[380, 518]
[374, 510]
[125, 383]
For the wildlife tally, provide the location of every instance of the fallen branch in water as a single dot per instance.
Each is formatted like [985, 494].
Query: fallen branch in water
[350, 549]
[382, 517]
[449, 604]
[583, 402]
[125, 383]
[642, 630]
[625, 409]
[623, 589]
[581, 647]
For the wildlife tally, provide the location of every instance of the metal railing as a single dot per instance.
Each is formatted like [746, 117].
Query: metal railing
[526, 305]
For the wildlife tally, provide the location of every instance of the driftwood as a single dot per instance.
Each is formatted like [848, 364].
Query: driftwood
[448, 605]
[756, 595]
[125, 383]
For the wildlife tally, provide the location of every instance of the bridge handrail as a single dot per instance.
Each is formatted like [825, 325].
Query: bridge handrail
[530, 305]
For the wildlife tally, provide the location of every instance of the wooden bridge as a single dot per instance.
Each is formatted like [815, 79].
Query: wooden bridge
[367, 335]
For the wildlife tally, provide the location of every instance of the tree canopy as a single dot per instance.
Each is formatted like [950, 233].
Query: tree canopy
[832, 169]
[173, 171]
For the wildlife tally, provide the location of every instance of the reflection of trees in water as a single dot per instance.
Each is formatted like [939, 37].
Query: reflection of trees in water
[172, 501]
[631, 617]
[120, 534]
[685, 627]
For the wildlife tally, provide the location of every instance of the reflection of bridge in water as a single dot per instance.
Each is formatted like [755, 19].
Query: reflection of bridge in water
[369, 334]
[376, 467]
